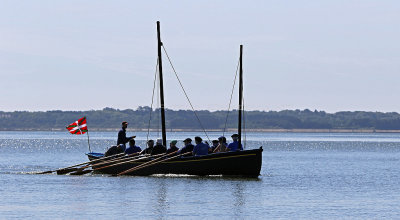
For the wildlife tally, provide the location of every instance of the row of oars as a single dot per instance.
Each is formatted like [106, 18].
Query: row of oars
[74, 167]
[114, 160]
[153, 162]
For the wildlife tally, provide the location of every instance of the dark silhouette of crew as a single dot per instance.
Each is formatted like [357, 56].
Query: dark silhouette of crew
[132, 147]
[172, 147]
[188, 146]
[159, 148]
[200, 148]
[149, 148]
[122, 139]
[234, 146]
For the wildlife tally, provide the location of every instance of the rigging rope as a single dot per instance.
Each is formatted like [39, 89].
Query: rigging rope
[230, 100]
[180, 83]
[152, 100]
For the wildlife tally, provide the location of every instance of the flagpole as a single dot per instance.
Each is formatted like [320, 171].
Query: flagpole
[87, 132]
[88, 140]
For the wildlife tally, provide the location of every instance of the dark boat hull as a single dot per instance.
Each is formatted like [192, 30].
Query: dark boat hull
[240, 163]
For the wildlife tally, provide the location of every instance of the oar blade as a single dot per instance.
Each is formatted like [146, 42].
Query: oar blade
[45, 172]
[65, 171]
[80, 172]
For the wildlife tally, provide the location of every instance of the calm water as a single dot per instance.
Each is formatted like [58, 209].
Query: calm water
[303, 176]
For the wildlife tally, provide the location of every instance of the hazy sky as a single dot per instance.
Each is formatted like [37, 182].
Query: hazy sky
[327, 55]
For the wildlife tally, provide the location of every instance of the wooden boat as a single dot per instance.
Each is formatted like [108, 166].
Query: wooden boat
[239, 163]
[246, 163]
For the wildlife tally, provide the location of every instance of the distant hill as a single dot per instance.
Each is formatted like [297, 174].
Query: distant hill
[110, 119]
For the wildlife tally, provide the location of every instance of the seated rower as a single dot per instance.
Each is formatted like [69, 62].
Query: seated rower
[159, 148]
[149, 148]
[221, 145]
[214, 145]
[200, 148]
[234, 146]
[132, 147]
[116, 149]
[188, 146]
[172, 147]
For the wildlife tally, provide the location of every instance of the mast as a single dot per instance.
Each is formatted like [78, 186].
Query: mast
[164, 133]
[240, 96]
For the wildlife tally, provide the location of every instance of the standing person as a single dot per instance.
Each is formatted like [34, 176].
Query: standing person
[132, 147]
[159, 148]
[234, 146]
[200, 148]
[172, 147]
[188, 146]
[221, 145]
[122, 139]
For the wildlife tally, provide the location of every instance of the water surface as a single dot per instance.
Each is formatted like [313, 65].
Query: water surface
[303, 176]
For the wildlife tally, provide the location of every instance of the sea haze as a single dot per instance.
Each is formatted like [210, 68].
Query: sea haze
[303, 176]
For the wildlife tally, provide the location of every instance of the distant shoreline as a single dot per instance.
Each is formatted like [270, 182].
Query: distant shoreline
[232, 130]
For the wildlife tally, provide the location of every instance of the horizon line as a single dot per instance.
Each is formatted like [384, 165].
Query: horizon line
[252, 110]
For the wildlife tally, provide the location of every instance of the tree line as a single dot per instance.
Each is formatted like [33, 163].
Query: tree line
[110, 118]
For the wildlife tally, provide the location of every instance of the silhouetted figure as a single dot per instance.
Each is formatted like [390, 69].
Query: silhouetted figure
[234, 146]
[200, 148]
[188, 146]
[132, 147]
[158, 148]
[122, 139]
[115, 150]
[172, 147]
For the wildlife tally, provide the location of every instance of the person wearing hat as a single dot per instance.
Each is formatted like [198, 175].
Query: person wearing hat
[234, 146]
[122, 139]
[214, 145]
[172, 146]
[188, 146]
[132, 147]
[200, 148]
[221, 145]
[159, 148]
[149, 148]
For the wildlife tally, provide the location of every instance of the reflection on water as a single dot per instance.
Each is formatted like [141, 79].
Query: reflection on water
[161, 208]
[239, 198]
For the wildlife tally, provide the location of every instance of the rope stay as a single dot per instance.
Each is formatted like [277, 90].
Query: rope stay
[187, 97]
[152, 101]
[230, 100]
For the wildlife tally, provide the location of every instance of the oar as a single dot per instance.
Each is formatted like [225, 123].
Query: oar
[127, 157]
[81, 171]
[61, 170]
[74, 167]
[148, 162]
[153, 162]
[130, 161]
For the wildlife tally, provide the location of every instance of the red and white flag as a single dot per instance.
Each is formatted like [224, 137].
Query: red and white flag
[78, 127]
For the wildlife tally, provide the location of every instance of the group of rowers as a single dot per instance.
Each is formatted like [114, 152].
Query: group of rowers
[200, 148]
